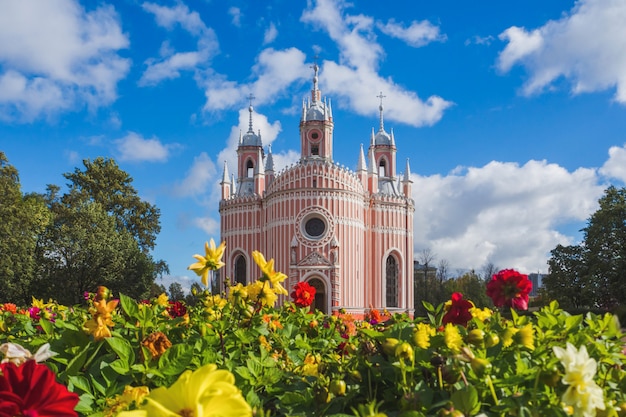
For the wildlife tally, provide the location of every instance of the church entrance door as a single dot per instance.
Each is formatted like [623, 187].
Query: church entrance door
[320, 295]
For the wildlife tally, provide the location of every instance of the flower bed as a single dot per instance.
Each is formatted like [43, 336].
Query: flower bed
[236, 354]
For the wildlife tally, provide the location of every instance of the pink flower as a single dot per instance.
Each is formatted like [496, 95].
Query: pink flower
[510, 288]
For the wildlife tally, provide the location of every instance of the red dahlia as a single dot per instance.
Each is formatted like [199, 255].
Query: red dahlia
[31, 390]
[303, 294]
[510, 288]
[458, 310]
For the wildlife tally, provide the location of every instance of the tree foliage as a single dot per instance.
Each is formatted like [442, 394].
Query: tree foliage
[103, 182]
[591, 275]
[60, 245]
[22, 219]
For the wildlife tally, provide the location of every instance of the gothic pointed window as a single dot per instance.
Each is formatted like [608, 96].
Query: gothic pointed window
[240, 270]
[391, 282]
[249, 169]
[382, 168]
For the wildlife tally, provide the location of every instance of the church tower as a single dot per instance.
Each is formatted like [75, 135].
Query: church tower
[316, 125]
[251, 174]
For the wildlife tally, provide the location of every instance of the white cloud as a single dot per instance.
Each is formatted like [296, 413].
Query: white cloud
[200, 177]
[169, 17]
[270, 34]
[170, 63]
[615, 166]
[58, 57]
[235, 13]
[170, 67]
[355, 78]
[501, 213]
[274, 70]
[209, 225]
[133, 147]
[587, 47]
[416, 35]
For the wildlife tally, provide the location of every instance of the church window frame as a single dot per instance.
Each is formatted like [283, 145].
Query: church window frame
[392, 280]
[240, 269]
[249, 168]
[382, 167]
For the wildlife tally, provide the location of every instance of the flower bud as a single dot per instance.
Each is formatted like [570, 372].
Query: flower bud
[389, 346]
[491, 339]
[404, 351]
[480, 366]
[476, 337]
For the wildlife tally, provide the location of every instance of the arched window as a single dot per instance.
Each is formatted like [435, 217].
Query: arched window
[240, 270]
[382, 168]
[315, 150]
[249, 169]
[391, 282]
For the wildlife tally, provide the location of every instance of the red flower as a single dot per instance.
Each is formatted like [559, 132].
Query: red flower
[32, 390]
[458, 310]
[176, 309]
[303, 294]
[510, 288]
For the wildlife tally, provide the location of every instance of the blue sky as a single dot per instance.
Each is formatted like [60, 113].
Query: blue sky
[512, 114]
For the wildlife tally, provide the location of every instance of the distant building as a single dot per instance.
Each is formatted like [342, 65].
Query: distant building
[537, 280]
[349, 234]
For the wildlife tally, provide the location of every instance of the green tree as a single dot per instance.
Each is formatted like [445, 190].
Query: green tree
[592, 274]
[101, 234]
[103, 182]
[176, 292]
[569, 281]
[22, 219]
[605, 246]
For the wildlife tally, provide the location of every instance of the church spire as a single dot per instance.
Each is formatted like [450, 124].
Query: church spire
[381, 108]
[316, 94]
[250, 109]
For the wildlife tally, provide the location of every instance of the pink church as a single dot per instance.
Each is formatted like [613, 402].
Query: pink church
[348, 234]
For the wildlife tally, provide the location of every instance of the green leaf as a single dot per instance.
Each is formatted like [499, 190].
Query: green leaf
[120, 366]
[129, 306]
[47, 326]
[81, 383]
[466, 400]
[122, 348]
[175, 359]
[77, 363]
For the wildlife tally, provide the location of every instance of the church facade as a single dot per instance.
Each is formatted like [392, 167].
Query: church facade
[347, 233]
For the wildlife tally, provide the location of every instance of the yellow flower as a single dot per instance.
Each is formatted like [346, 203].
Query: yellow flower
[206, 392]
[97, 327]
[162, 300]
[452, 337]
[267, 267]
[237, 292]
[525, 337]
[507, 336]
[215, 301]
[583, 394]
[481, 315]
[212, 261]
[422, 335]
[259, 291]
[310, 365]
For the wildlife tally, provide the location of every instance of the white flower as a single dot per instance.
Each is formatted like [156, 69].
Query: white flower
[583, 394]
[18, 355]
